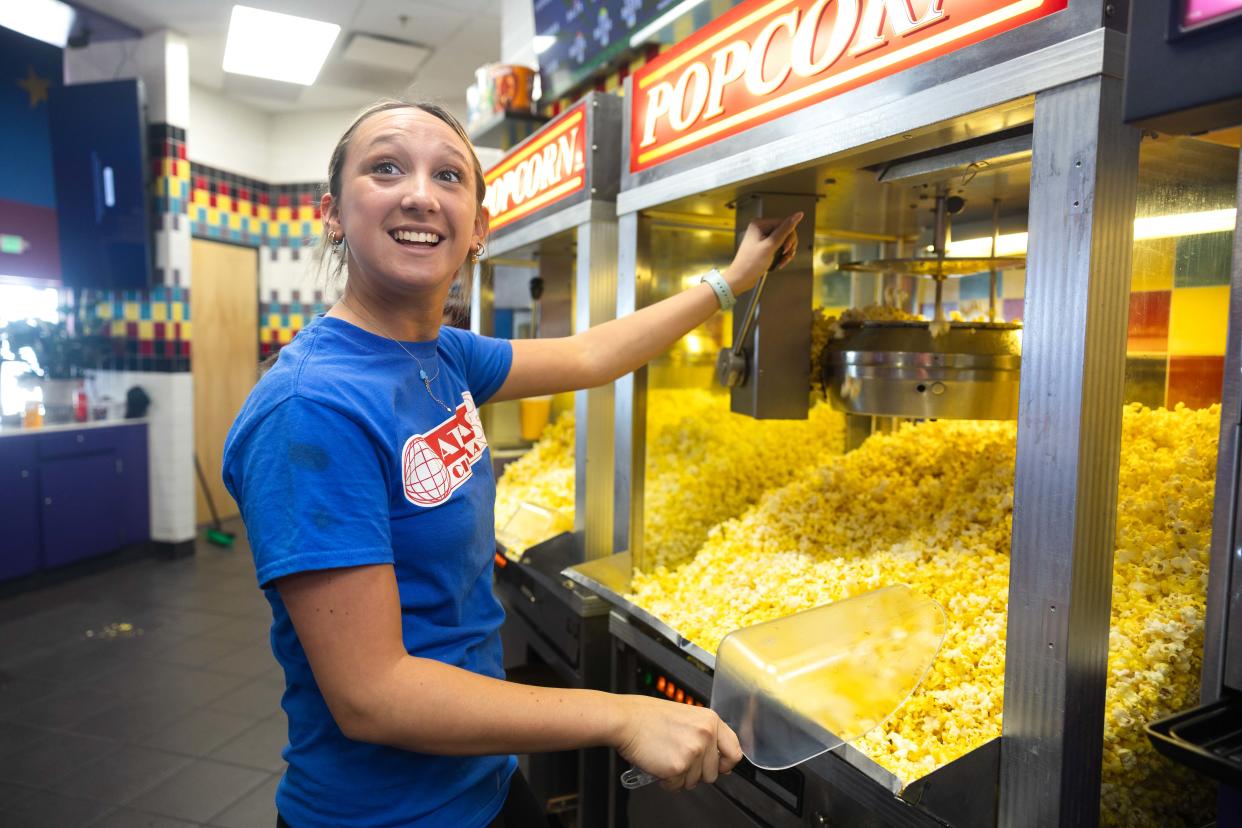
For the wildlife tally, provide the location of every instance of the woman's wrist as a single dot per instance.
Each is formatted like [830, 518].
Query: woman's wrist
[618, 720]
[735, 280]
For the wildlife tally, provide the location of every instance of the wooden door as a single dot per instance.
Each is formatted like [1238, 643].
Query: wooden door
[224, 308]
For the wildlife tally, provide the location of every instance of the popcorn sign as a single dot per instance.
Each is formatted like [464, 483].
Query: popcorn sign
[766, 58]
[542, 170]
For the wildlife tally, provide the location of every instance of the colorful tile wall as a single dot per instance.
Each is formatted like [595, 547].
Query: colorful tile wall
[280, 318]
[1178, 320]
[170, 171]
[231, 208]
[150, 329]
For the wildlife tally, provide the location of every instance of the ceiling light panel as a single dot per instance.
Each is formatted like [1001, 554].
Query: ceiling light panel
[277, 46]
[46, 20]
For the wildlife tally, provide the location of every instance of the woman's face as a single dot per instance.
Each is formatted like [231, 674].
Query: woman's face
[407, 207]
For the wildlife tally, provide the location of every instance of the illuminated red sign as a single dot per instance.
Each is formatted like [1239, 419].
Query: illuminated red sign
[540, 171]
[766, 58]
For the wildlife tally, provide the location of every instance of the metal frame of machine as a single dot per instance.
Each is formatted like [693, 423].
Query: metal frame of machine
[1082, 196]
[590, 213]
[564, 624]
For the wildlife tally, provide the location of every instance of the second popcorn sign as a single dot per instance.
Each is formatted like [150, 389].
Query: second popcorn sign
[764, 59]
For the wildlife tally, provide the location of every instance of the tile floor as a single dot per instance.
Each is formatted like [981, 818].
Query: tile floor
[172, 722]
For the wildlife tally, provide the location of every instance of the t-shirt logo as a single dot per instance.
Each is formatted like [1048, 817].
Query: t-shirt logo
[435, 463]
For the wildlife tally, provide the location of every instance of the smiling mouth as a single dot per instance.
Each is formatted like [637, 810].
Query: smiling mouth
[411, 238]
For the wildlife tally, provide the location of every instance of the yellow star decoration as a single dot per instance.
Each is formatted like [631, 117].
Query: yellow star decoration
[35, 86]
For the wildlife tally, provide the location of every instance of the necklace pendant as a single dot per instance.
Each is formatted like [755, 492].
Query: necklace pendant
[422, 375]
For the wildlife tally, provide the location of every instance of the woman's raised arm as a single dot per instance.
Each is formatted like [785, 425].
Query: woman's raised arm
[605, 352]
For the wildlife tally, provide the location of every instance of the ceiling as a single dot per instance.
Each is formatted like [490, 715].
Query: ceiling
[461, 36]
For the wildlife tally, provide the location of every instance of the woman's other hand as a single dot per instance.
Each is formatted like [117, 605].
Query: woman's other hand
[764, 237]
[678, 744]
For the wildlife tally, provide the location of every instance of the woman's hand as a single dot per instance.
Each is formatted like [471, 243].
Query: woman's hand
[763, 238]
[678, 744]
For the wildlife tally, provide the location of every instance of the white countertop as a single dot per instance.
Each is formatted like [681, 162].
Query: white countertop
[13, 431]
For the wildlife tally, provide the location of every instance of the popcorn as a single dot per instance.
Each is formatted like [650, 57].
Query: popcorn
[931, 506]
[704, 465]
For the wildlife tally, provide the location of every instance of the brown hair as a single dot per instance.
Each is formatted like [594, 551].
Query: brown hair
[460, 293]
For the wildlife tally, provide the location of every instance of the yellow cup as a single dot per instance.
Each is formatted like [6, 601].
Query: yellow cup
[534, 412]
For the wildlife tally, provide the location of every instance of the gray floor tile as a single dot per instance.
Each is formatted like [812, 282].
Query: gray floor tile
[199, 733]
[15, 690]
[198, 686]
[189, 622]
[259, 698]
[250, 661]
[121, 776]
[256, 809]
[258, 747]
[244, 630]
[52, 758]
[141, 678]
[200, 791]
[135, 720]
[43, 809]
[11, 794]
[14, 737]
[60, 710]
[74, 663]
[198, 651]
[125, 818]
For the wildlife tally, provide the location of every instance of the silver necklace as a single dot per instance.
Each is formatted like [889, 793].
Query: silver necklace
[422, 371]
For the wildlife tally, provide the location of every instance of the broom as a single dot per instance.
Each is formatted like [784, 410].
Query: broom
[215, 535]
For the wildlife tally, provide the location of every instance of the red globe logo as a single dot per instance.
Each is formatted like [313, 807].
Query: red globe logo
[426, 478]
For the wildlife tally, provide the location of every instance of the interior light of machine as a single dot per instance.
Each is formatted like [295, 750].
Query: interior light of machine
[46, 20]
[1185, 224]
[1007, 244]
[1147, 227]
[276, 46]
[542, 43]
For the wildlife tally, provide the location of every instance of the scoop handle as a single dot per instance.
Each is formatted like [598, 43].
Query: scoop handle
[635, 778]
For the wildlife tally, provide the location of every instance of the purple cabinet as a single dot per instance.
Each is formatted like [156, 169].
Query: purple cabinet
[133, 471]
[19, 512]
[79, 504]
[70, 495]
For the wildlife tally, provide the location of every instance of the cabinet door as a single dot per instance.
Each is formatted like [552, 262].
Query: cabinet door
[19, 512]
[79, 504]
[133, 476]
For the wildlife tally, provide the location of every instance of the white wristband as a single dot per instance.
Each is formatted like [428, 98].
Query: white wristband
[724, 294]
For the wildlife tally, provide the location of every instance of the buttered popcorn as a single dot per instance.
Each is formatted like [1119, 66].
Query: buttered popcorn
[704, 465]
[930, 506]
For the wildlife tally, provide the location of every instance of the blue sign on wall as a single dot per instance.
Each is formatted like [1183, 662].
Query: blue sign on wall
[29, 70]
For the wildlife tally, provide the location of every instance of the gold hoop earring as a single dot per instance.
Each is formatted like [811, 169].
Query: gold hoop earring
[337, 239]
[477, 252]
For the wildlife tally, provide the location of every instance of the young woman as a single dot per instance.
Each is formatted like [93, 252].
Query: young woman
[363, 476]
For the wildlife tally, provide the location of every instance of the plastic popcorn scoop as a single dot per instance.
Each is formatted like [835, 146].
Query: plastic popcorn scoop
[798, 686]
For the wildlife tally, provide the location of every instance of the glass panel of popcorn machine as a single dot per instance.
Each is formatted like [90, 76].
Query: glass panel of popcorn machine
[533, 294]
[1183, 236]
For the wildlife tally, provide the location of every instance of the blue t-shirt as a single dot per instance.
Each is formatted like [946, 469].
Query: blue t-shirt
[340, 458]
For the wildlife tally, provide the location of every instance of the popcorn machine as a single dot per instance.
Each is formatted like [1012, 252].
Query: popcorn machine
[553, 233]
[993, 134]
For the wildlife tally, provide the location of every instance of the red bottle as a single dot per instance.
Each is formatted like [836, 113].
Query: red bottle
[80, 408]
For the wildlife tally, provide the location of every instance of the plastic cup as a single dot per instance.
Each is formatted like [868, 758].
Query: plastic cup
[534, 412]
